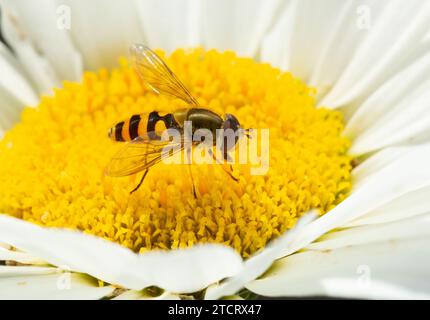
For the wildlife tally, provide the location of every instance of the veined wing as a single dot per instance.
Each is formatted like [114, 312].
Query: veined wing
[154, 72]
[142, 153]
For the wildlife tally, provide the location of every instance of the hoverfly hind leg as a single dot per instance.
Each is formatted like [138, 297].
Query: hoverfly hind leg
[230, 160]
[191, 172]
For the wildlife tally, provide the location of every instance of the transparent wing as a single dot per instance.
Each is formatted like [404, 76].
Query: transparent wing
[158, 75]
[141, 154]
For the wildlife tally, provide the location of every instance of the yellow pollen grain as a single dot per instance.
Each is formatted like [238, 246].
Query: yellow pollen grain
[52, 162]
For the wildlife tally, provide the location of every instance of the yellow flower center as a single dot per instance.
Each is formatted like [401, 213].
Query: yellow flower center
[52, 163]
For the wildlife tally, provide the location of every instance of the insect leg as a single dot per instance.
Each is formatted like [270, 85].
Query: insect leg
[247, 133]
[190, 171]
[228, 158]
[141, 181]
[222, 166]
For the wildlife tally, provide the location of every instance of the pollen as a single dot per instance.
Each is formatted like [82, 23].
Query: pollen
[52, 163]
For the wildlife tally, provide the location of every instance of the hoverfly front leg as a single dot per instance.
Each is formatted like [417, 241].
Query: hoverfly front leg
[222, 165]
[140, 182]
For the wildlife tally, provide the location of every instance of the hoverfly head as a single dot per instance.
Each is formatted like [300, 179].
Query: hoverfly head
[231, 122]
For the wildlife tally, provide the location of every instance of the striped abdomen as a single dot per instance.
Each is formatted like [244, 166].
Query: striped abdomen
[129, 129]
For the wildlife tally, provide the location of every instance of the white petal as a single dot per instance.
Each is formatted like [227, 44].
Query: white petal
[377, 162]
[392, 270]
[426, 39]
[237, 25]
[13, 80]
[26, 271]
[395, 34]
[103, 30]
[57, 286]
[189, 270]
[170, 25]
[140, 295]
[409, 205]
[406, 174]
[338, 45]
[45, 24]
[385, 118]
[5, 246]
[300, 37]
[12, 255]
[10, 110]
[407, 122]
[38, 68]
[257, 264]
[194, 268]
[418, 227]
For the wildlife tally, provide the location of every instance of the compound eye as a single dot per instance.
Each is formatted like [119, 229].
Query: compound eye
[227, 124]
[231, 122]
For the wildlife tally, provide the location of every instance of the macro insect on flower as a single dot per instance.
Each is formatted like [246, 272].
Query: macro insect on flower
[343, 87]
[146, 147]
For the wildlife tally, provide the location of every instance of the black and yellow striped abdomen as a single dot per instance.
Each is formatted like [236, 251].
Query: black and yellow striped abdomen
[142, 124]
[129, 129]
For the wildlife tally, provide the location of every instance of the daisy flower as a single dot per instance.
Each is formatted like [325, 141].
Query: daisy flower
[342, 211]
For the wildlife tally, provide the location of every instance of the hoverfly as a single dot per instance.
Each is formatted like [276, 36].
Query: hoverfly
[144, 145]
